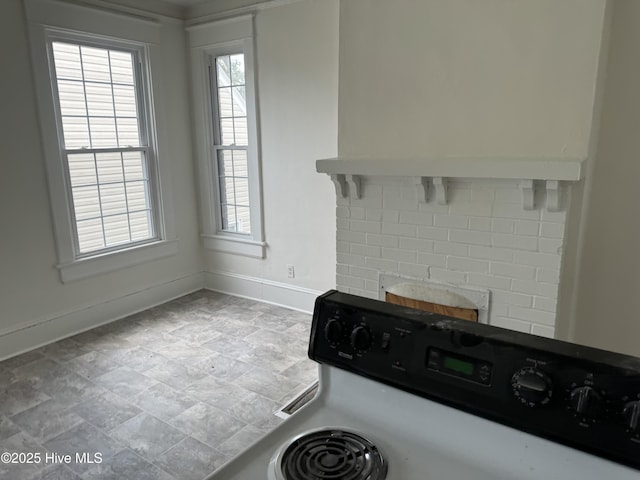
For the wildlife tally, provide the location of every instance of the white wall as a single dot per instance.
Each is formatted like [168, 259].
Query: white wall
[30, 289]
[608, 302]
[297, 55]
[467, 77]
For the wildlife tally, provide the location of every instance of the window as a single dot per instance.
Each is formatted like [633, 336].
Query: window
[95, 77]
[227, 136]
[104, 144]
[231, 142]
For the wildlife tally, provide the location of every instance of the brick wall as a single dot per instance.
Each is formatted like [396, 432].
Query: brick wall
[482, 238]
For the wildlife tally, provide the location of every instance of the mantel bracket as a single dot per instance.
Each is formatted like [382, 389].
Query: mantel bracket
[528, 194]
[422, 188]
[340, 183]
[354, 185]
[553, 195]
[440, 187]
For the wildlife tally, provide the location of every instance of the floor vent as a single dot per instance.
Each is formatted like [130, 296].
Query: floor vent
[300, 401]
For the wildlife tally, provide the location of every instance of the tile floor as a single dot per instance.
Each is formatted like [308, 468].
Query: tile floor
[167, 394]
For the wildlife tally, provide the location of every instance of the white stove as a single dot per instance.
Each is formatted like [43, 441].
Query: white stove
[410, 395]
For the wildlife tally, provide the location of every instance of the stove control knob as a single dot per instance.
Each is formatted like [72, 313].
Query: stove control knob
[631, 414]
[586, 401]
[532, 386]
[334, 332]
[360, 338]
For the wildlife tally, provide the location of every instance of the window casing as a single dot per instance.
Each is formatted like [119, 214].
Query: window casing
[231, 141]
[228, 158]
[99, 91]
[147, 224]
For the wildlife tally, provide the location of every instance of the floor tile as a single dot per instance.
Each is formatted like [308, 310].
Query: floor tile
[230, 346]
[238, 312]
[267, 383]
[217, 393]
[224, 367]
[64, 350]
[164, 402]
[47, 420]
[281, 341]
[7, 428]
[195, 333]
[72, 388]
[253, 408]
[92, 364]
[207, 424]
[87, 439]
[139, 359]
[126, 465]
[305, 371]
[274, 322]
[125, 382]
[40, 372]
[176, 375]
[147, 436]
[20, 396]
[7, 376]
[241, 440]
[233, 327]
[55, 472]
[21, 360]
[107, 411]
[20, 443]
[176, 349]
[269, 357]
[191, 460]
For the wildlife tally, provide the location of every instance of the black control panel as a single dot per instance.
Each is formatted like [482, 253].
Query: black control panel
[583, 397]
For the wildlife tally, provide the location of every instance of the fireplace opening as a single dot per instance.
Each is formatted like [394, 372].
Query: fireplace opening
[450, 300]
[461, 313]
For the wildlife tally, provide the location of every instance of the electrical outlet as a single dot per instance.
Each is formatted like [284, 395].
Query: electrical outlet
[291, 272]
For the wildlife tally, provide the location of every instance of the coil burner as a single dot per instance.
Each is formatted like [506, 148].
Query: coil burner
[330, 454]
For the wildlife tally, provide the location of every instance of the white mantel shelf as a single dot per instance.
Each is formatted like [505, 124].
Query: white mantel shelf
[432, 174]
[569, 169]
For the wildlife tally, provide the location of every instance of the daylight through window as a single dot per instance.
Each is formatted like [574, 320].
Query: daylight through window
[232, 143]
[105, 144]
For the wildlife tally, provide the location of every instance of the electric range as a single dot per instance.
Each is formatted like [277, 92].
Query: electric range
[406, 394]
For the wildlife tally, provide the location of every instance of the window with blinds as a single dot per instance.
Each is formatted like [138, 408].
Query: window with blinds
[105, 142]
[231, 143]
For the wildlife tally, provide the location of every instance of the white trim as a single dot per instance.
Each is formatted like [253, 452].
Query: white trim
[268, 291]
[96, 21]
[208, 12]
[48, 330]
[109, 262]
[559, 168]
[207, 41]
[234, 244]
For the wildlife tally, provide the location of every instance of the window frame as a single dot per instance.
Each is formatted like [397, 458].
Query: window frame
[208, 42]
[147, 135]
[48, 21]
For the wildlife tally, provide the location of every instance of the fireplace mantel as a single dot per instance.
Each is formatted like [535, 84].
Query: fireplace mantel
[434, 173]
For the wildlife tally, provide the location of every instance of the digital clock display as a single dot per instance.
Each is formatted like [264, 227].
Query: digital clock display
[458, 366]
[466, 368]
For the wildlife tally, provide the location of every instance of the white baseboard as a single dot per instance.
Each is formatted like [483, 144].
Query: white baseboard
[48, 330]
[268, 291]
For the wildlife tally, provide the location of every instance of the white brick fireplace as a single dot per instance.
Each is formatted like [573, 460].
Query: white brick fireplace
[483, 225]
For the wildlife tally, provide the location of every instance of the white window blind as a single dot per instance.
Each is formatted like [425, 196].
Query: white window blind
[105, 143]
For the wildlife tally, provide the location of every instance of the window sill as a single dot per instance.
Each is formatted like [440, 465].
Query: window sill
[231, 244]
[109, 262]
